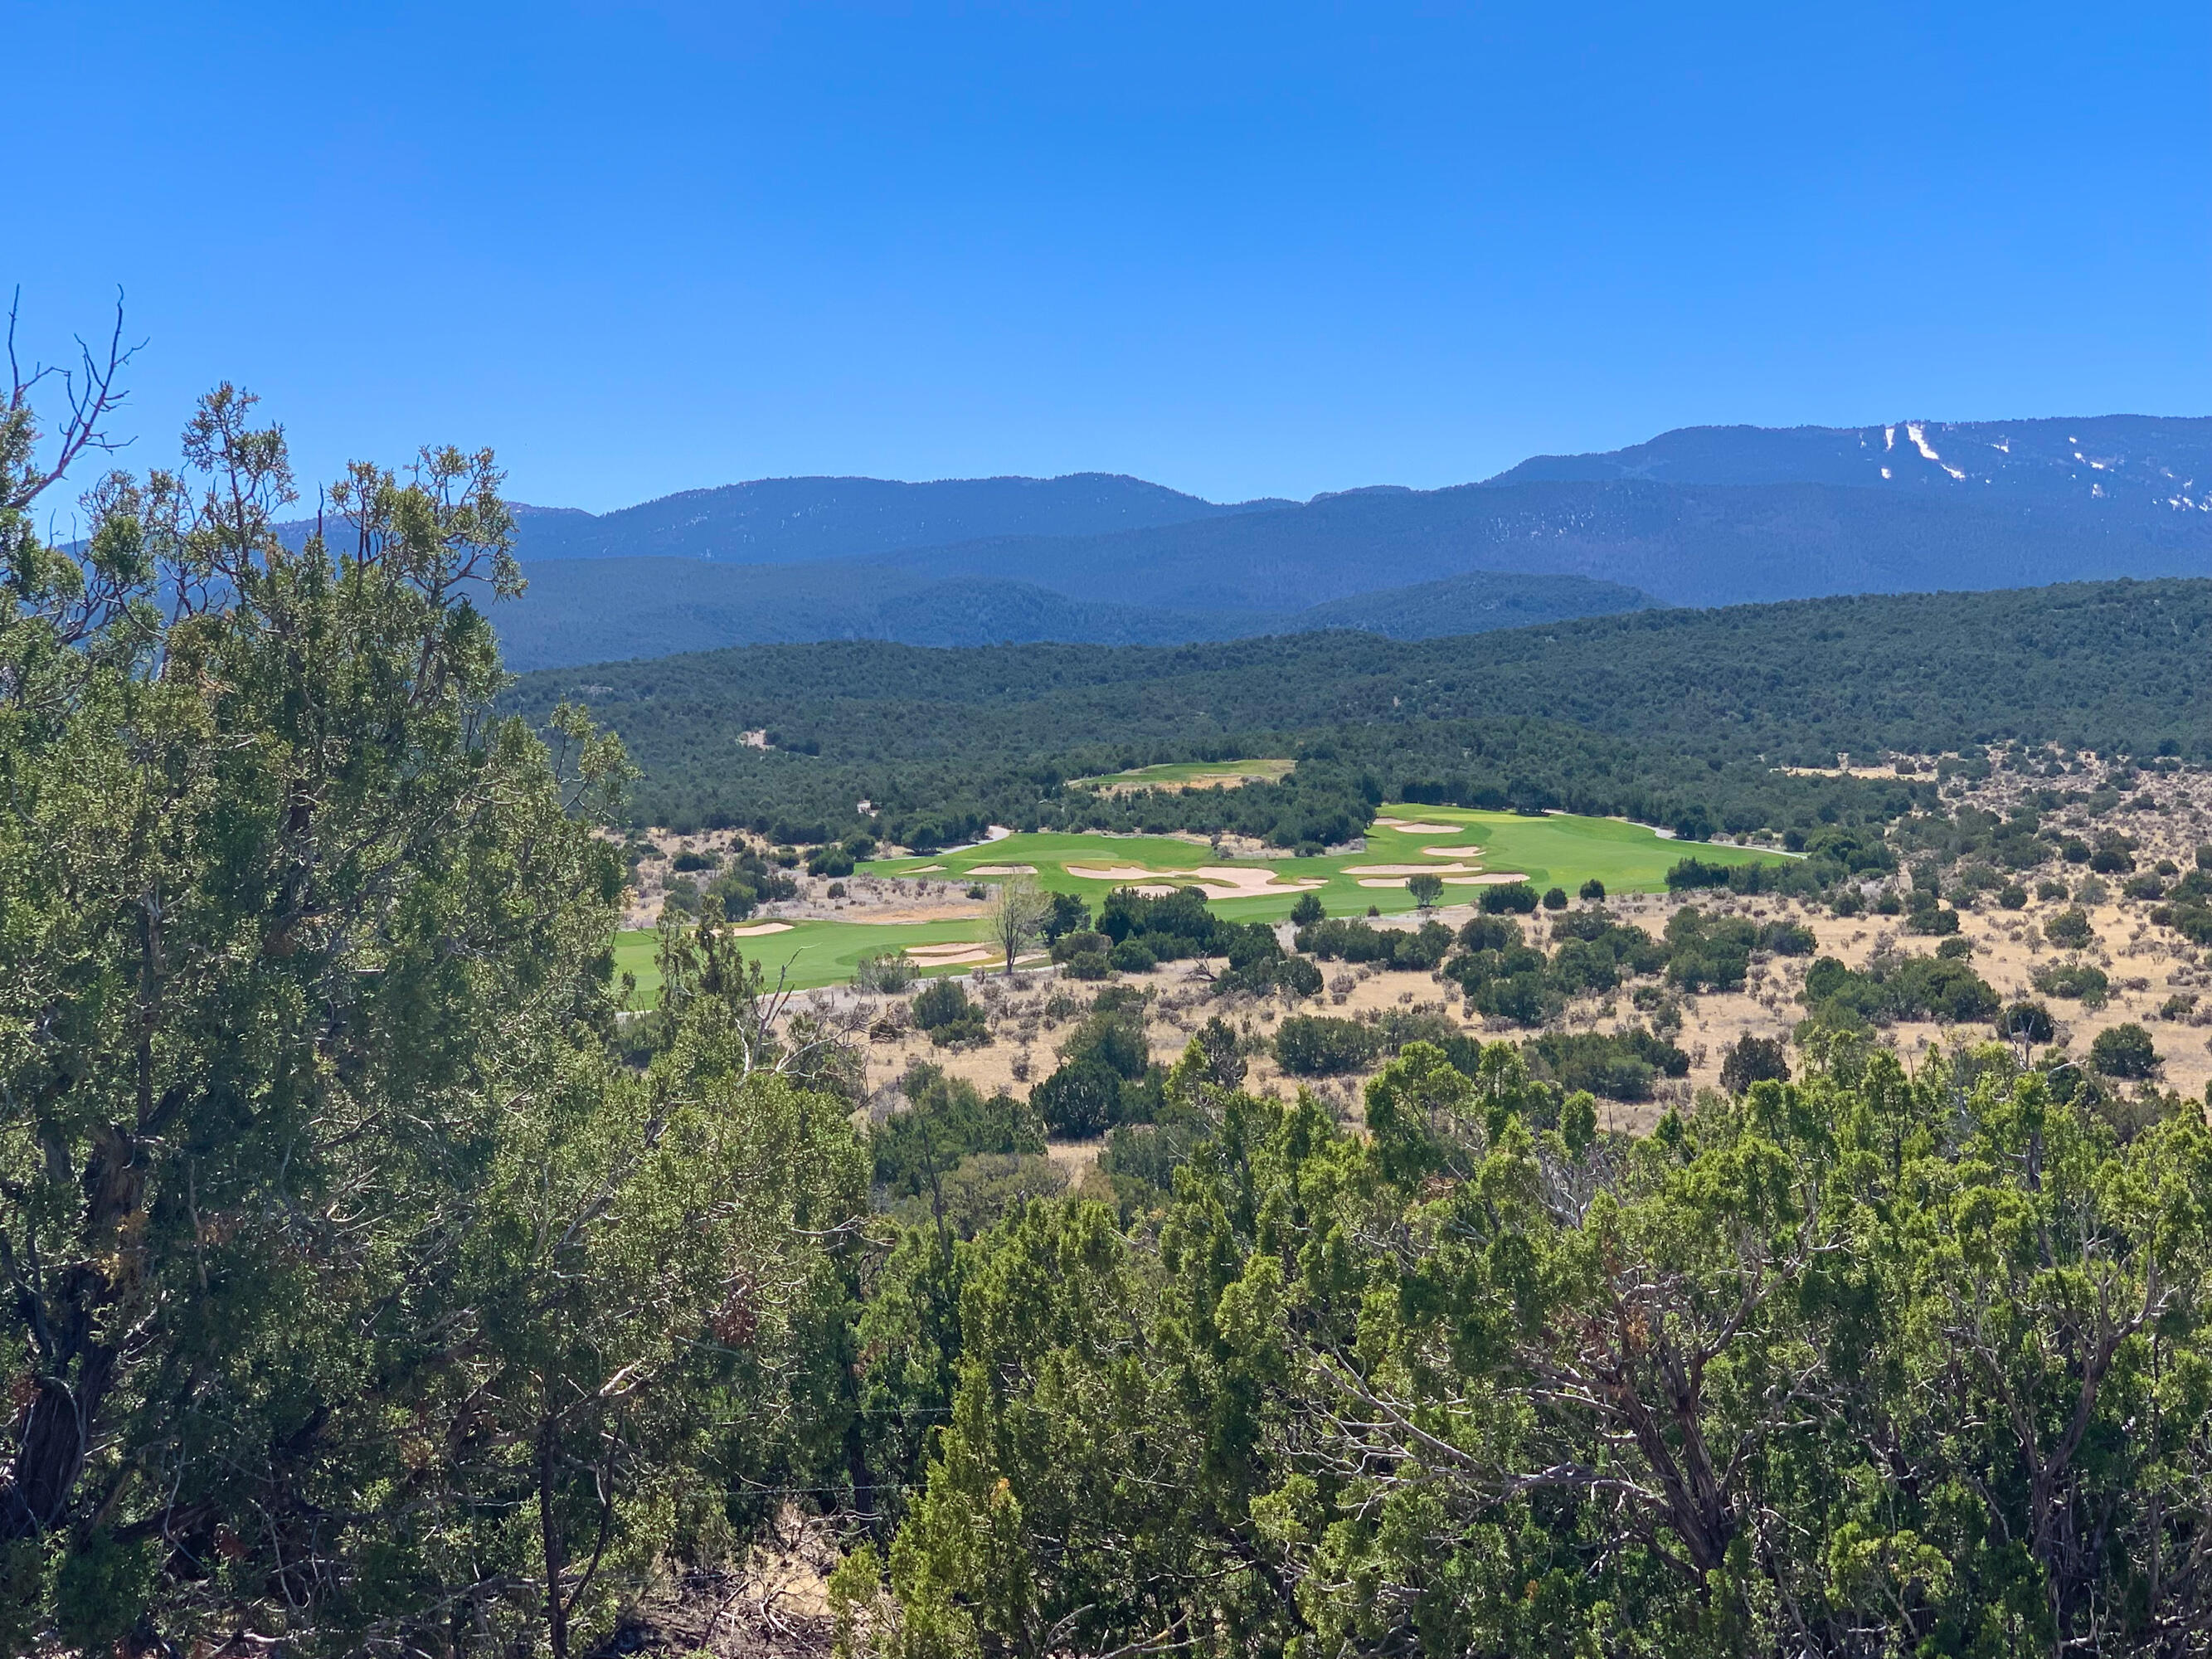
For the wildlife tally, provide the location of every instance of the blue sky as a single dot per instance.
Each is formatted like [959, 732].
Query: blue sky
[1240, 250]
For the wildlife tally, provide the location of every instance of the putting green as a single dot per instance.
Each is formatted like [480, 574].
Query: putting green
[1556, 850]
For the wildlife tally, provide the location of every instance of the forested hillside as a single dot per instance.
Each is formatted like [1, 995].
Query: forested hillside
[582, 610]
[1659, 714]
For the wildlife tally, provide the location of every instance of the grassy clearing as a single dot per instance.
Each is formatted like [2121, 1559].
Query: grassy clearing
[1562, 851]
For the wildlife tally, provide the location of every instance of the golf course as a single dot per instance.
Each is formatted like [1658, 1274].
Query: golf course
[1466, 849]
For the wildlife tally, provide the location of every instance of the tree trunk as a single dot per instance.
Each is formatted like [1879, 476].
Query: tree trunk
[557, 1611]
[75, 1370]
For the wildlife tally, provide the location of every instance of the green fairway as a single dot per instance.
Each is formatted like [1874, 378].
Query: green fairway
[1555, 850]
[811, 954]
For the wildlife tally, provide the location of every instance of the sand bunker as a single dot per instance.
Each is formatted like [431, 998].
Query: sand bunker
[1219, 881]
[961, 912]
[936, 956]
[1408, 869]
[760, 927]
[921, 870]
[1003, 870]
[1493, 878]
[1448, 852]
[1405, 828]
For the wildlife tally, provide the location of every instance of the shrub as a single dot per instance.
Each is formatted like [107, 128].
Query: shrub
[2114, 856]
[2124, 1051]
[941, 1002]
[1089, 965]
[1489, 933]
[891, 972]
[1418, 950]
[1299, 977]
[1618, 1065]
[1786, 939]
[1516, 898]
[2013, 896]
[1753, 1060]
[1131, 957]
[1083, 1098]
[1065, 914]
[829, 861]
[1068, 945]
[1708, 953]
[2026, 1022]
[1112, 1034]
[1594, 890]
[1898, 988]
[688, 860]
[1307, 911]
[2082, 981]
[2049, 891]
[1426, 889]
[1691, 873]
[2069, 928]
[1317, 1045]
[946, 1120]
[1555, 898]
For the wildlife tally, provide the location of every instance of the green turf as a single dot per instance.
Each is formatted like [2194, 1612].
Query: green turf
[1555, 850]
[813, 953]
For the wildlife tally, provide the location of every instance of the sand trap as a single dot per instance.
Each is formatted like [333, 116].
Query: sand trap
[900, 917]
[1116, 872]
[922, 869]
[1495, 879]
[1406, 869]
[1003, 870]
[1404, 828]
[936, 956]
[760, 927]
[1219, 880]
[1448, 852]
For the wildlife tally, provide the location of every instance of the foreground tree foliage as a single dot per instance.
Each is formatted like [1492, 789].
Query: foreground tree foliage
[1870, 1363]
[376, 1284]
[358, 1299]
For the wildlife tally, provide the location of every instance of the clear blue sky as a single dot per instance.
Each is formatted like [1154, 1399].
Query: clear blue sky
[1240, 250]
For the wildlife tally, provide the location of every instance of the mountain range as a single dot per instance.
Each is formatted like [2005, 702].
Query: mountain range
[1700, 516]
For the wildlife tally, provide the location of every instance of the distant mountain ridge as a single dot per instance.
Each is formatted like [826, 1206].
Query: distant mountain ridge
[2159, 460]
[1698, 516]
[1700, 544]
[580, 610]
[793, 520]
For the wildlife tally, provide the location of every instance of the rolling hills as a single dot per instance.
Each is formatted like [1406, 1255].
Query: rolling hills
[1631, 713]
[1700, 516]
[580, 610]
